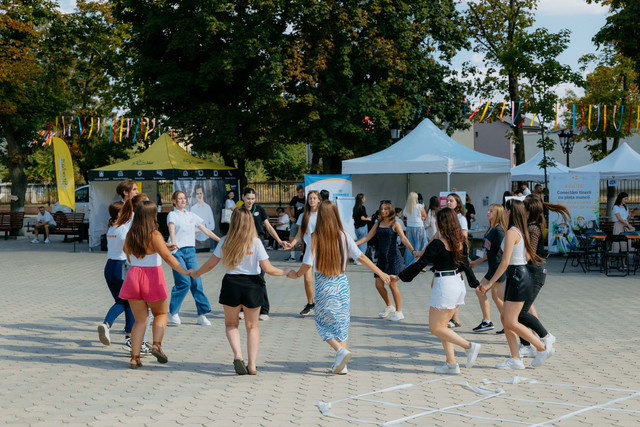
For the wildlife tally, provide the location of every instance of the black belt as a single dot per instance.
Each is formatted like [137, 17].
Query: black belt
[446, 273]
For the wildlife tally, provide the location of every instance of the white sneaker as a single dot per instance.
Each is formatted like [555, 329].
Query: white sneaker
[344, 371]
[396, 317]
[47, 241]
[510, 363]
[542, 356]
[386, 312]
[263, 317]
[103, 334]
[241, 315]
[202, 320]
[356, 262]
[35, 241]
[472, 354]
[549, 340]
[174, 319]
[447, 369]
[342, 357]
[526, 351]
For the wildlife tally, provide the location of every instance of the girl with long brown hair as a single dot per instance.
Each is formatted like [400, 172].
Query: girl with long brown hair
[144, 285]
[519, 289]
[387, 230]
[244, 258]
[449, 254]
[493, 255]
[329, 254]
[306, 226]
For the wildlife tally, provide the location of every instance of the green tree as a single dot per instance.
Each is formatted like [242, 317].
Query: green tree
[359, 66]
[517, 55]
[34, 70]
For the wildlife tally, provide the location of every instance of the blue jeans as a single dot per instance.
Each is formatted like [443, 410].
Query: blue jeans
[418, 239]
[113, 276]
[360, 233]
[187, 259]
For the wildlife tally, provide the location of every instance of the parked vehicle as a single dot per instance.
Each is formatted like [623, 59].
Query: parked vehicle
[82, 203]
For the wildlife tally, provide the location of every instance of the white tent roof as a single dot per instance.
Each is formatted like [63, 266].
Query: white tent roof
[531, 171]
[623, 163]
[427, 149]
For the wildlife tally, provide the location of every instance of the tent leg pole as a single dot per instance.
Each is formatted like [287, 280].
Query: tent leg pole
[448, 181]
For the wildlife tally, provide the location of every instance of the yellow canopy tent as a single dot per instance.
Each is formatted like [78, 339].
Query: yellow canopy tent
[164, 160]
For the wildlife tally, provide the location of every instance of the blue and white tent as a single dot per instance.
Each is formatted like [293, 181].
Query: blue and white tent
[531, 171]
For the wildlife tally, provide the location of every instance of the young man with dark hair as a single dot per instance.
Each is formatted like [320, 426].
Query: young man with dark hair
[296, 208]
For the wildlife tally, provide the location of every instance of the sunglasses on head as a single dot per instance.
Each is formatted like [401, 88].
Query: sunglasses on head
[385, 201]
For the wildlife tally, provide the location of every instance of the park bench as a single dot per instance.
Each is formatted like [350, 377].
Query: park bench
[68, 224]
[11, 221]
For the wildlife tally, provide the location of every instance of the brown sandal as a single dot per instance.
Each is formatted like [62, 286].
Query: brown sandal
[156, 350]
[135, 362]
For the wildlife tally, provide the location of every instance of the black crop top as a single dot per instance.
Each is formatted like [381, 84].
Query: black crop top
[442, 260]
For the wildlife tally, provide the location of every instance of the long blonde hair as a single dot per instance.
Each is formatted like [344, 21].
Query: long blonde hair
[239, 240]
[412, 201]
[498, 216]
[326, 241]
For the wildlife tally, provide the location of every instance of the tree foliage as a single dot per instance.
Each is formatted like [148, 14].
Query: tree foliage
[521, 60]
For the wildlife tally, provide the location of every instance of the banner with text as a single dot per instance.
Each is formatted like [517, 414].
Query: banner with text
[580, 193]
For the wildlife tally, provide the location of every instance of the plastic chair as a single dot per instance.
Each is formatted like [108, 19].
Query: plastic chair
[577, 254]
[616, 258]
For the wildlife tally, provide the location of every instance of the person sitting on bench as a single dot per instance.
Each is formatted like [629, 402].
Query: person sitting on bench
[45, 222]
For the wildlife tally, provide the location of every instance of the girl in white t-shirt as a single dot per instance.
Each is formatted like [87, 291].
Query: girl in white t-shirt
[244, 257]
[415, 214]
[621, 216]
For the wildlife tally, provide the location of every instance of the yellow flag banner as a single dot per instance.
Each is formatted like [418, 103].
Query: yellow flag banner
[64, 173]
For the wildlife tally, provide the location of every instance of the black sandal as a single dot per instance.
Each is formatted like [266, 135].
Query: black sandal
[239, 366]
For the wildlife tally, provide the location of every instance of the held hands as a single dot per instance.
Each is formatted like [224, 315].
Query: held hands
[172, 246]
[385, 278]
[393, 278]
[286, 270]
[482, 289]
[193, 273]
[416, 254]
[291, 274]
[285, 245]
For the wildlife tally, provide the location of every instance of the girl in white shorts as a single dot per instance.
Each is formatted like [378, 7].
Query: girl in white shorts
[449, 255]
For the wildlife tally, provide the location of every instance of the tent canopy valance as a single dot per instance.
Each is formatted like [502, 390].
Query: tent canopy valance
[531, 171]
[623, 163]
[163, 160]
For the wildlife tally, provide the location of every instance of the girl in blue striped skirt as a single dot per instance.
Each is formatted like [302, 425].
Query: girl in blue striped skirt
[328, 253]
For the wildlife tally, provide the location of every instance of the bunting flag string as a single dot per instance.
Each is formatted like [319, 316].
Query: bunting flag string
[638, 119]
[582, 121]
[604, 129]
[598, 122]
[589, 119]
[90, 129]
[484, 112]
[504, 103]
[573, 125]
[555, 123]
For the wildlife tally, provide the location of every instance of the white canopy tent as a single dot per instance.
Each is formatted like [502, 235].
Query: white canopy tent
[531, 171]
[428, 161]
[623, 163]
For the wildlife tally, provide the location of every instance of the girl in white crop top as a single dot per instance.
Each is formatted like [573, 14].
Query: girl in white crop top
[145, 287]
[519, 288]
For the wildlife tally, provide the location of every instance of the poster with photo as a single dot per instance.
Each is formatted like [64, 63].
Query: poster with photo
[580, 193]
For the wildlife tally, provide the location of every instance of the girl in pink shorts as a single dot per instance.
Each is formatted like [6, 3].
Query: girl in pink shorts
[144, 286]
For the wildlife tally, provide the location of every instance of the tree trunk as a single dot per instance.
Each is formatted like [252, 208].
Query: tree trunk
[332, 164]
[242, 173]
[16, 171]
[603, 145]
[611, 199]
[514, 95]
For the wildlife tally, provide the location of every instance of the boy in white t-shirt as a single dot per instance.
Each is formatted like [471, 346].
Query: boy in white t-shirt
[281, 227]
[44, 222]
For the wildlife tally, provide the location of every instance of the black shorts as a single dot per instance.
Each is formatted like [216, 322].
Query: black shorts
[244, 289]
[519, 284]
[491, 272]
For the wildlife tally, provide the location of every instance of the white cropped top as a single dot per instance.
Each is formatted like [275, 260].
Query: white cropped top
[519, 254]
[149, 260]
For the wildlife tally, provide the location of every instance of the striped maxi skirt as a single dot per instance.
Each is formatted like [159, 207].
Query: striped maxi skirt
[333, 306]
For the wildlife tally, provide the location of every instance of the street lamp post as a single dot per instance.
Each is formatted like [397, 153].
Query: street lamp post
[565, 143]
[396, 132]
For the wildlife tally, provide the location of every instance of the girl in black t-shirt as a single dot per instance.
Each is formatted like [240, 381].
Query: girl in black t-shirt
[493, 254]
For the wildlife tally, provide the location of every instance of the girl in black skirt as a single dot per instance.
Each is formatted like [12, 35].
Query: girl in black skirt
[243, 256]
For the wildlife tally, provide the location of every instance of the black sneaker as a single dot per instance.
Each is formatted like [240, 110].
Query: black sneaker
[500, 332]
[308, 310]
[484, 326]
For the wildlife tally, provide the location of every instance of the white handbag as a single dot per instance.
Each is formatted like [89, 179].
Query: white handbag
[226, 216]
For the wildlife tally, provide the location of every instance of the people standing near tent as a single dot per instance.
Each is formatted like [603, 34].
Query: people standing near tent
[449, 254]
[203, 210]
[360, 221]
[328, 253]
[183, 226]
[127, 189]
[430, 222]
[229, 203]
[519, 290]
[535, 208]
[145, 287]
[415, 214]
[493, 255]
[261, 222]
[296, 208]
[621, 224]
[306, 226]
[387, 230]
[245, 260]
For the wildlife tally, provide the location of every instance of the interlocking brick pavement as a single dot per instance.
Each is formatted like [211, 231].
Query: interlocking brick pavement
[55, 371]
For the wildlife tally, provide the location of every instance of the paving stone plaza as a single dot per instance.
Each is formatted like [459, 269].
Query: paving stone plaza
[55, 371]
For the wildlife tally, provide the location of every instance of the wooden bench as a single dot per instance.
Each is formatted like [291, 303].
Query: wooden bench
[68, 224]
[10, 222]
